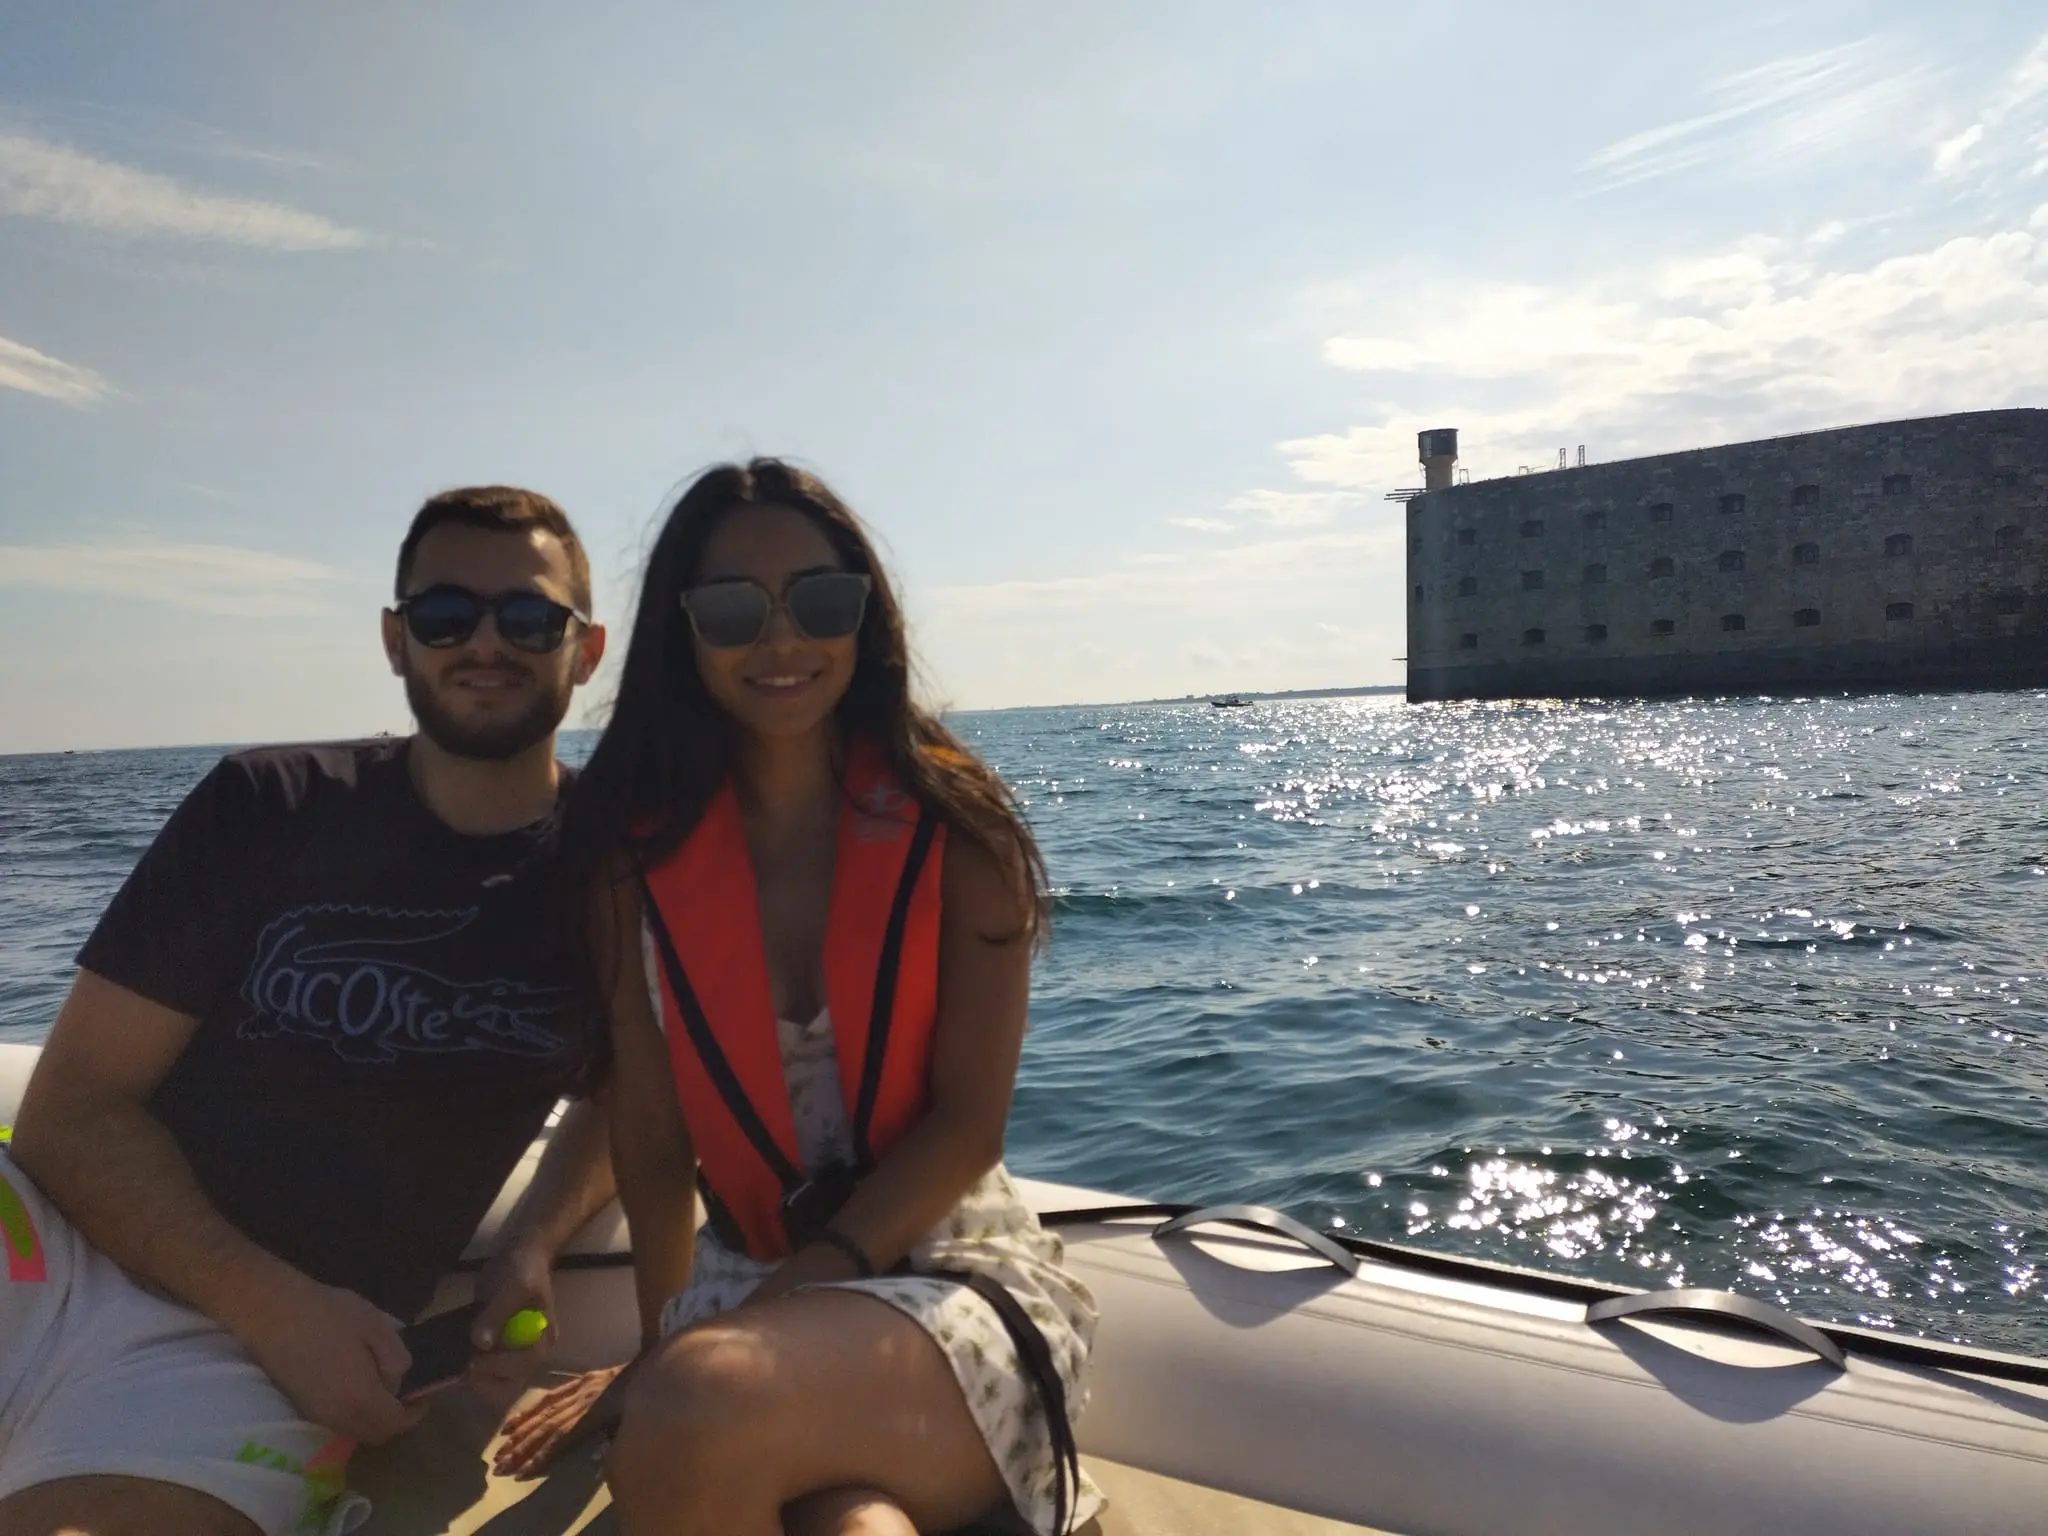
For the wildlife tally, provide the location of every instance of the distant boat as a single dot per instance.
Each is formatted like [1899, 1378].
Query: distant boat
[1232, 701]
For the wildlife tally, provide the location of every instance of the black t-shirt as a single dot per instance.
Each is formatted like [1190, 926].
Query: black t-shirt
[387, 1009]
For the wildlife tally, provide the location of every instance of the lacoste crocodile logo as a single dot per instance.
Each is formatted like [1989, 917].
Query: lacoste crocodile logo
[354, 977]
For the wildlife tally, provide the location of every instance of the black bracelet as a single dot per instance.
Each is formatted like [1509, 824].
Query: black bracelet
[832, 1237]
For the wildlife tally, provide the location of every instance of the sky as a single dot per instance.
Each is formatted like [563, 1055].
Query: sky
[1116, 322]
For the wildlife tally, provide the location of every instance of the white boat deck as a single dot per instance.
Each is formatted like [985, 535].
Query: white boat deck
[435, 1482]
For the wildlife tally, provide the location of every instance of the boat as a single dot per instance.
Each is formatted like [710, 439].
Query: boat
[1231, 701]
[1252, 1374]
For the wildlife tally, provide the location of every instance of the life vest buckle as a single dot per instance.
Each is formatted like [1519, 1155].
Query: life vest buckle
[809, 1208]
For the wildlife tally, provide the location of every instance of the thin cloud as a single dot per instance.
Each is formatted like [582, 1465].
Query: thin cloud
[1950, 154]
[38, 373]
[199, 578]
[1295, 509]
[1166, 577]
[2026, 84]
[1760, 335]
[153, 132]
[44, 180]
[1201, 524]
[1758, 338]
[1777, 116]
[1307, 609]
[2009, 138]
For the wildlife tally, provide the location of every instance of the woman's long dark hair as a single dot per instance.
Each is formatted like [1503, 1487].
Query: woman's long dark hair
[669, 746]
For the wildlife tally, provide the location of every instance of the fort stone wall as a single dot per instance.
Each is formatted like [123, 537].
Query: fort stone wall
[1900, 554]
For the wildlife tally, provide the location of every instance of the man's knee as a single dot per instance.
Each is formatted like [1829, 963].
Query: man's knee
[118, 1506]
[847, 1512]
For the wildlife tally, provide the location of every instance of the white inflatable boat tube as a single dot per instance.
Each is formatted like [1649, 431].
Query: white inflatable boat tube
[1434, 1396]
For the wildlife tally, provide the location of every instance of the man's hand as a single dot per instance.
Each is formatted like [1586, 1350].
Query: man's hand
[512, 1281]
[337, 1357]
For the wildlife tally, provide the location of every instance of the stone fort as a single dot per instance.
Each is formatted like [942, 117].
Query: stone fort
[1909, 553]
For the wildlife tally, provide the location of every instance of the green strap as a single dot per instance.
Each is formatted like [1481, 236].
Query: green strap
[15, 1224]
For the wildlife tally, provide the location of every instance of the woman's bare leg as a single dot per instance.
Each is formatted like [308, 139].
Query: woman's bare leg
[819, 1391]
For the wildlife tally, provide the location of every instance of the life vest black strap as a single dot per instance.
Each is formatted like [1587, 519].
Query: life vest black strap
[882, 1014]
[716, 1067]
[719, 1217]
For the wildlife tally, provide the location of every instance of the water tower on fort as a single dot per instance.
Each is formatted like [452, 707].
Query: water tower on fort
[1439, 451]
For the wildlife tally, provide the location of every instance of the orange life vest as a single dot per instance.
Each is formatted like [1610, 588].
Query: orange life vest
[881, 985]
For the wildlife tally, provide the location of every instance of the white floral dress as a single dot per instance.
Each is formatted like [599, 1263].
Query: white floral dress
[991, 1232]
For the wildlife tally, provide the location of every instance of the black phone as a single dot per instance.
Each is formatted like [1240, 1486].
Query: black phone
[440, 1349]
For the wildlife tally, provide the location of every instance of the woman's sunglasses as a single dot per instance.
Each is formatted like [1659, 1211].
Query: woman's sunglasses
[824, 605]
[448, 615]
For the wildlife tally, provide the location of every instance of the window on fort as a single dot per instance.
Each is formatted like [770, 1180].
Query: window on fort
[1531, 580]
[1418, 594]
[1595, 633]
[1468, 642]
[1805, 495]
[1898, 610]
[1532, 637]
[1663, 627]
[1734, 501]
[1595, 521]
[1468, 536]
[1732, 621]
[2007, 478]
[1468, 586]
[1660, 512]
[1595, 574]
[1806, 618]
[2008, 537]
[2009, 602]
[1533, 528]
[1661, 566]
[1899, 544]
[1898, 485]
[1731, 560]
[1806, 554]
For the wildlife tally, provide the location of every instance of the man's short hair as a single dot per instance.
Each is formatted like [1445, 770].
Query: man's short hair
[501, 509]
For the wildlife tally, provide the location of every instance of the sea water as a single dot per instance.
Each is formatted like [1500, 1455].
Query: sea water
[1747, 993]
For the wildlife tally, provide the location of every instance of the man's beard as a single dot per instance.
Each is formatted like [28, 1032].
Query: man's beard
[491, 741]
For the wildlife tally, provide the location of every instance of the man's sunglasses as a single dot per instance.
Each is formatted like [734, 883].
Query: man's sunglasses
[824, 605]
[448, 615]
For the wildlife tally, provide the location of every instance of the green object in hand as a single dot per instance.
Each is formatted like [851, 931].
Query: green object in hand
[522, 1330]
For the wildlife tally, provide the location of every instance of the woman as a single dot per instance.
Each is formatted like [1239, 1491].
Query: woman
[836, 906]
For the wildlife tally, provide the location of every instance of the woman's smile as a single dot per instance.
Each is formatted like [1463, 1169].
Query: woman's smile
[785, 680]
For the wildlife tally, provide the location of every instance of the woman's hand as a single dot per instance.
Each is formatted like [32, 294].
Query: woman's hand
[813, 1264]
[567, 1414]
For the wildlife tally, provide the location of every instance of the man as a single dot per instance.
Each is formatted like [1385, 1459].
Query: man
[306, 1044]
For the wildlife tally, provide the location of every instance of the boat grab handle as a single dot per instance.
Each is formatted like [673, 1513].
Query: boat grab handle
[1264, 1219]
[1693, 1303]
